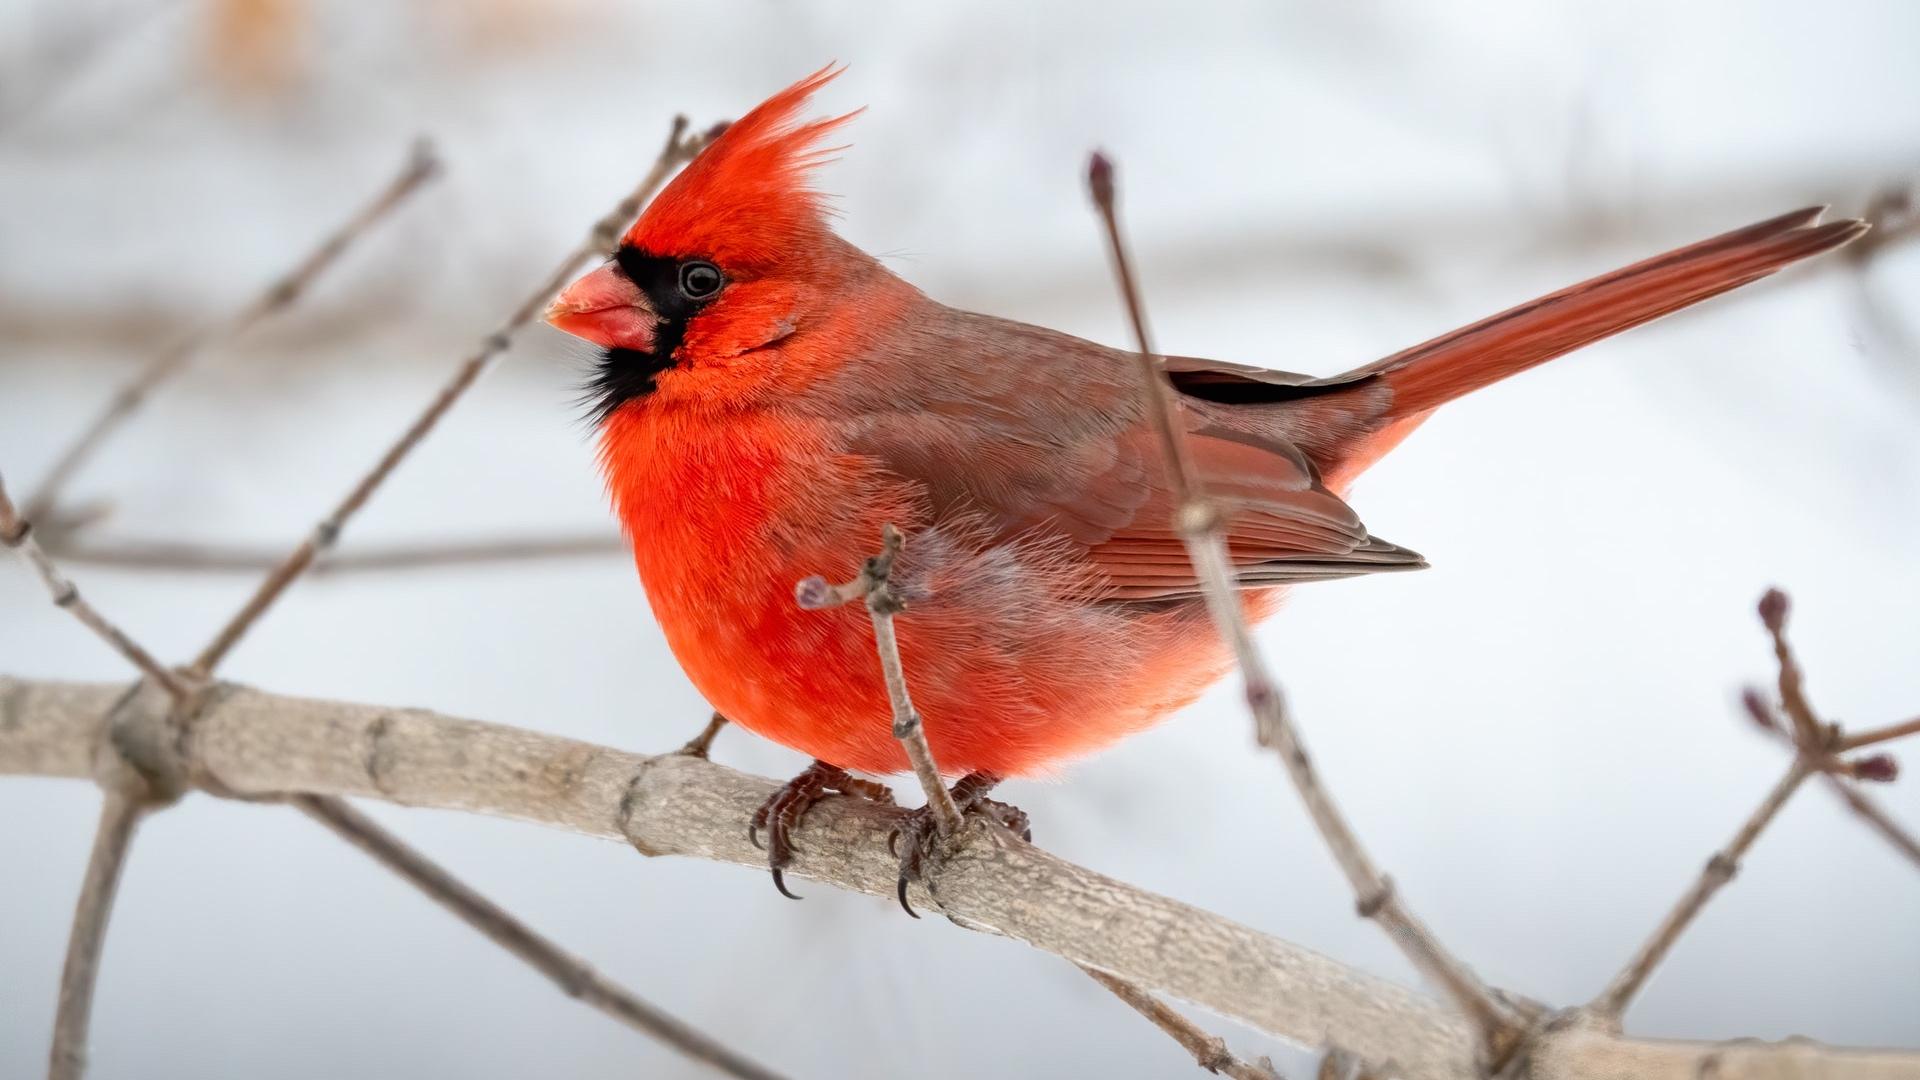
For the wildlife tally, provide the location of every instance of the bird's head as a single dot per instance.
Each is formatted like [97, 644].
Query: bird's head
[733, 256]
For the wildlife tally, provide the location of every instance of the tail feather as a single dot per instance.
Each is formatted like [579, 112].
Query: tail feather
[1433, 373]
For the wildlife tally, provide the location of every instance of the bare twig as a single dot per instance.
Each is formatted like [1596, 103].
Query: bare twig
[248, 743]
[1718, 871]
[874, 585]
[600, 241]
[702, 744]
[1209, 1051]
[1878, 735]
[120, 812]
[573, 975]
[1816, 746]
[421, 166]
[1200, 524]
[17, 533]
[1875, 818]
[216, 558]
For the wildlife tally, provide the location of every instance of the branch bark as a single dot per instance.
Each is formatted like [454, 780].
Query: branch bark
[251, 743]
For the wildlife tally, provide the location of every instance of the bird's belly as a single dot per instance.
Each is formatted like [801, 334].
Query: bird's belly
[1011, 674]
[1012, 667]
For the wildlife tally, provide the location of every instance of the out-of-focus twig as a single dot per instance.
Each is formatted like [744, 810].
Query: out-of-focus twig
[187, 556]
[1878, 735]
[680, 148]
[1200, 523]
[16, 532]
[120, 813]
[1817, 745]
[1874, 817]
[1209, 1051]
[573, 975]
[1718, 871]
[421, 165]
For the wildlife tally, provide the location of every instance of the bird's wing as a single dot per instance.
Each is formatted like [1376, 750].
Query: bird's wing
[1041, 434]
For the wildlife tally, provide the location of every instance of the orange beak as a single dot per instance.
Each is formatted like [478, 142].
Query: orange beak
[606, 308]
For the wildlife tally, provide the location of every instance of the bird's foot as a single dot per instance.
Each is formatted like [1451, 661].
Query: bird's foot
[781, 813]
[914, 838]
[700, 745]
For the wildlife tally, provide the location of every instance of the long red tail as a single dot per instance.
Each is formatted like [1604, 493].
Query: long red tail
[1467, 359]
[1435, 372]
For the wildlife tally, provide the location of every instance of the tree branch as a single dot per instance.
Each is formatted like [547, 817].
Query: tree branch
[1714, 876]
[250, 743]
[223, 558]
[1201, 524]
[874, 587]
[120, 812]
[600, 241]
[1209, 1051]
[1872, 736]
[572, 975]
[421, 166]
[17, 533]
[1875, 818]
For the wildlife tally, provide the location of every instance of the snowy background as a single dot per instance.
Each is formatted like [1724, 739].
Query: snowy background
[1537, 737]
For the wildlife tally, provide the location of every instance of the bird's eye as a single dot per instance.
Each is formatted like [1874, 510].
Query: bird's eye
[699, 280]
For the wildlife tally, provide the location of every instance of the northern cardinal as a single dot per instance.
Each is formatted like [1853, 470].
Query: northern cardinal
[770, 396]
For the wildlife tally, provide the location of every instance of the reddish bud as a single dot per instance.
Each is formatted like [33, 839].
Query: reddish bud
[1759, 709]
[1879, 768]
[1773, 610]
[1100, 178]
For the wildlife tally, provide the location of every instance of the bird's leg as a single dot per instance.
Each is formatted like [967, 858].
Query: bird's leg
[701, 744]
[913, 839]
[783, 810]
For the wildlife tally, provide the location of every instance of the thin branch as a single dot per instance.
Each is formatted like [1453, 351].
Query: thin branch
[702, 744]
[1200, 523]
[216, 558]
[1719, 870]
[421, 165]
[17, 533]
[1878, 735]
[1816, 745]
[1875, 818]
[574, 976]
[600, 241]
[1209, 1051]
[120, 812]
[247, 743]
[874, 586]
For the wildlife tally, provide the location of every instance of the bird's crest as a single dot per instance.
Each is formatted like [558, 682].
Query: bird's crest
[746, 199]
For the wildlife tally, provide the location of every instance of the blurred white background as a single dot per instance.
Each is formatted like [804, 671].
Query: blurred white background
[1537, 736]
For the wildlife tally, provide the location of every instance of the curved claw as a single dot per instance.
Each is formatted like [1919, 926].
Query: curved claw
[753, 837]
[901, 891]
[780, 883]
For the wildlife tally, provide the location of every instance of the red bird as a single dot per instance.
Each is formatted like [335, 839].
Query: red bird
[770, 396]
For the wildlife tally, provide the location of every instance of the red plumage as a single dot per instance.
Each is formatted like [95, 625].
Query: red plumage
[763, 432]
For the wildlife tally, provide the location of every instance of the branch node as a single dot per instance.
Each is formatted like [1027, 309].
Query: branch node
[1369, 906]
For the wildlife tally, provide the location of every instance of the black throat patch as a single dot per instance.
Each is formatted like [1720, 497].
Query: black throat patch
[622, 375]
